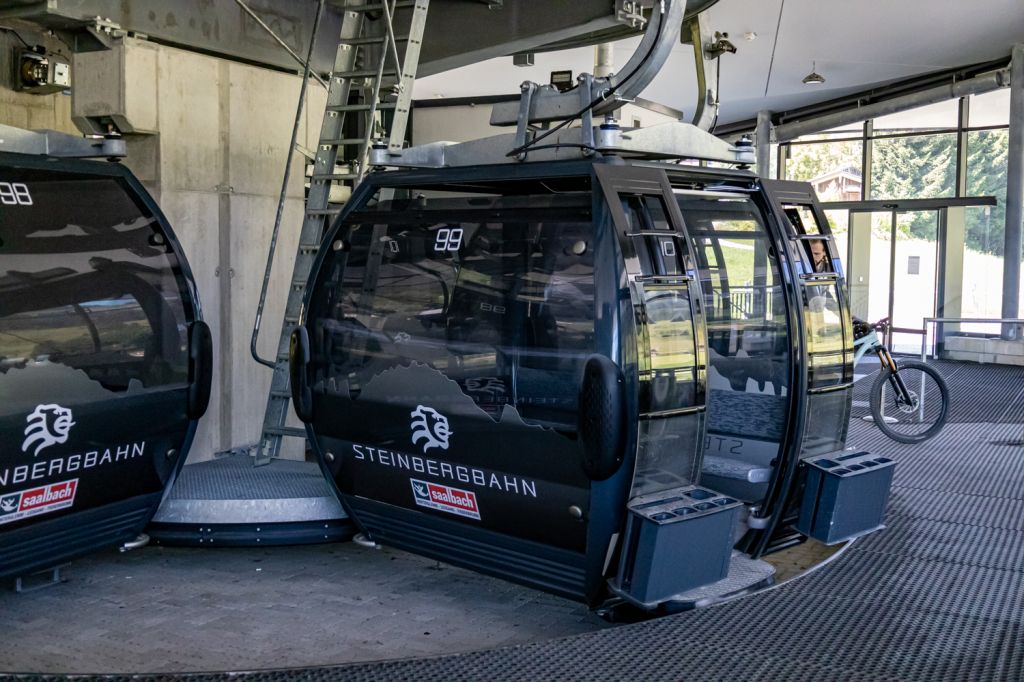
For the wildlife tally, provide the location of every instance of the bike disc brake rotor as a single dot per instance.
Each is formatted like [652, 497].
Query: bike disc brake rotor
[907, 407]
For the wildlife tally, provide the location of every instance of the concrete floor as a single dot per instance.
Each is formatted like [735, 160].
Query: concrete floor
[161, 609]
[170, 609]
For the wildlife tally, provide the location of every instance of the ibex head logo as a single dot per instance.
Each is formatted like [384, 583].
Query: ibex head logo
[431, 425]
[48, 424]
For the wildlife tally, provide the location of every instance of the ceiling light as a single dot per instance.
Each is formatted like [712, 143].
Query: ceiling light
[750, 35]
[813, 78]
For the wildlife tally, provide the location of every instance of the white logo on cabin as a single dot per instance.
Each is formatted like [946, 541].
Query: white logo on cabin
[47, 425]
[430, 425]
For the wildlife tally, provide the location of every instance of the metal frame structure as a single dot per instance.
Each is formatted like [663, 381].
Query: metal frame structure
[59, 145]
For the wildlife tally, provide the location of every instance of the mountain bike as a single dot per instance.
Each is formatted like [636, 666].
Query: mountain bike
[909, 400]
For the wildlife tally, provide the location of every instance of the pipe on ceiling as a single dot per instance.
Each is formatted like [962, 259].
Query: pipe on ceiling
[982, 83]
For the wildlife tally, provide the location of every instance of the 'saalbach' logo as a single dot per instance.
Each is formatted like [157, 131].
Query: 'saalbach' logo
[47, 425]
[445, 498]
[430, 426]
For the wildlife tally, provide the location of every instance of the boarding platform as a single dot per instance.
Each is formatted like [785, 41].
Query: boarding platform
[229, 502]
[936, 595]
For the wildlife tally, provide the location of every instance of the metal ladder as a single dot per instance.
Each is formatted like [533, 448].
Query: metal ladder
[356, 64]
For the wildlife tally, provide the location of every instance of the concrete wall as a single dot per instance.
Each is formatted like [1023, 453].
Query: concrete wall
[215, 166]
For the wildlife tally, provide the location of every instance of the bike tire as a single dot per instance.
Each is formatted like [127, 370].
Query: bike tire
[882, 380]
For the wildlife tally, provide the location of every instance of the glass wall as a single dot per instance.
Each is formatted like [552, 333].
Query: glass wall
[951, 149]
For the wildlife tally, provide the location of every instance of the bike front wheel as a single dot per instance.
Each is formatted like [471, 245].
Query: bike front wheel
[913, 415]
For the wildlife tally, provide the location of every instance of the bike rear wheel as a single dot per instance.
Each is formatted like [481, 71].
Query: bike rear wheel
[918, 419]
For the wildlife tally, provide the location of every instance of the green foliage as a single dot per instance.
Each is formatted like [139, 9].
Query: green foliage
[922, 167]
[987, 154]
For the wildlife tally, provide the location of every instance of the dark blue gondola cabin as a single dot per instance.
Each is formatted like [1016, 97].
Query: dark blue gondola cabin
[104, 360]
[604, 379]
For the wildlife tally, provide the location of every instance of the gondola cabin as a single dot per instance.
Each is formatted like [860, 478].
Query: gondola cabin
[104, 360]
[605, 378]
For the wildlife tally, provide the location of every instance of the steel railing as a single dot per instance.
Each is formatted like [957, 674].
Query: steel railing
[1013, 327]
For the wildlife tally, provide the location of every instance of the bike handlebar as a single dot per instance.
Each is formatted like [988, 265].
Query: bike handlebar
[862, 328]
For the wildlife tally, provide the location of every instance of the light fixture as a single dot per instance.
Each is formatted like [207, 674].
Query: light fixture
[813, 78]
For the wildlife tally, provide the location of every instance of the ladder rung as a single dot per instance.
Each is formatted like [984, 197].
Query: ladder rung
[285, 395]
[359, 107]
[344, 141]
[336, 176]
[364, 73]
[376, 6]
[323, 211]
[284, 431]
[371, 40]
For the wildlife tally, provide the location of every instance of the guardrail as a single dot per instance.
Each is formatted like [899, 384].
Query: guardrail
[928, 321]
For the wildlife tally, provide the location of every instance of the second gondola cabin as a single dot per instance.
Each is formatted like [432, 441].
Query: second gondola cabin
[105, 362]
[607, 378]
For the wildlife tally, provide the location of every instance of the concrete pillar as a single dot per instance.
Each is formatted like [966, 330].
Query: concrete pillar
[1014, 192]
[763, 142]
[214, 163]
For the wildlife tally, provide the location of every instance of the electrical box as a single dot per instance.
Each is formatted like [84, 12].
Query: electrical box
[675, 541]
[845, 495]
[42, 73]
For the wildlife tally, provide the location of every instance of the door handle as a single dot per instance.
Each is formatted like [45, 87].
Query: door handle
[298, 361]
[200, 368]
[602, 417]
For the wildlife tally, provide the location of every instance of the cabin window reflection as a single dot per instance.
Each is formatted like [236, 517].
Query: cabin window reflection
[494, 292]
[88, 290]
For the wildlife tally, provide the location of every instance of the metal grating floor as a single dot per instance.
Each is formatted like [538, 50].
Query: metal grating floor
[978, 393]
[230, 490]
[938, 595]
[235, 478]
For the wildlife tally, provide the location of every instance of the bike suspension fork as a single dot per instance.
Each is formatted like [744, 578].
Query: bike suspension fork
[895, 380]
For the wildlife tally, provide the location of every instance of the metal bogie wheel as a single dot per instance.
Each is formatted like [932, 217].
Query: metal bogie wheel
[919, 418]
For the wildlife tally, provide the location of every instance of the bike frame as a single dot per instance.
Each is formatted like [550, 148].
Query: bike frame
[871, 342]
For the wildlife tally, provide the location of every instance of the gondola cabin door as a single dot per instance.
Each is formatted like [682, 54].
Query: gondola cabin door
[668, 344]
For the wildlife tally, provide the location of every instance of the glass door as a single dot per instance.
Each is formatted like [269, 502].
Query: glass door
[893, 270]
[914, 288]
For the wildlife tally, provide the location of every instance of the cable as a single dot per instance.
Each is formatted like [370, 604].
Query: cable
[775, 43]
[15, 33]
[611, 91]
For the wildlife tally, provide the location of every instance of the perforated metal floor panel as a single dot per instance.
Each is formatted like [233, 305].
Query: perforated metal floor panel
[228, 501]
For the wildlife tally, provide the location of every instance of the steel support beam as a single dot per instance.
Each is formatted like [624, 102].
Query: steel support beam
[975, 86]
[763, 142]
[1014, 192]
[57, 144]
[660, 37]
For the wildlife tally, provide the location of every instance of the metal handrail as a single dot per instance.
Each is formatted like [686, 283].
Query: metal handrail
[956, 320]
[306, 73]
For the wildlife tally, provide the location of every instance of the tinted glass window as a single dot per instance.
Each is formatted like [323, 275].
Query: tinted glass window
[748, 335]
[494, 292]
[88, 286]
